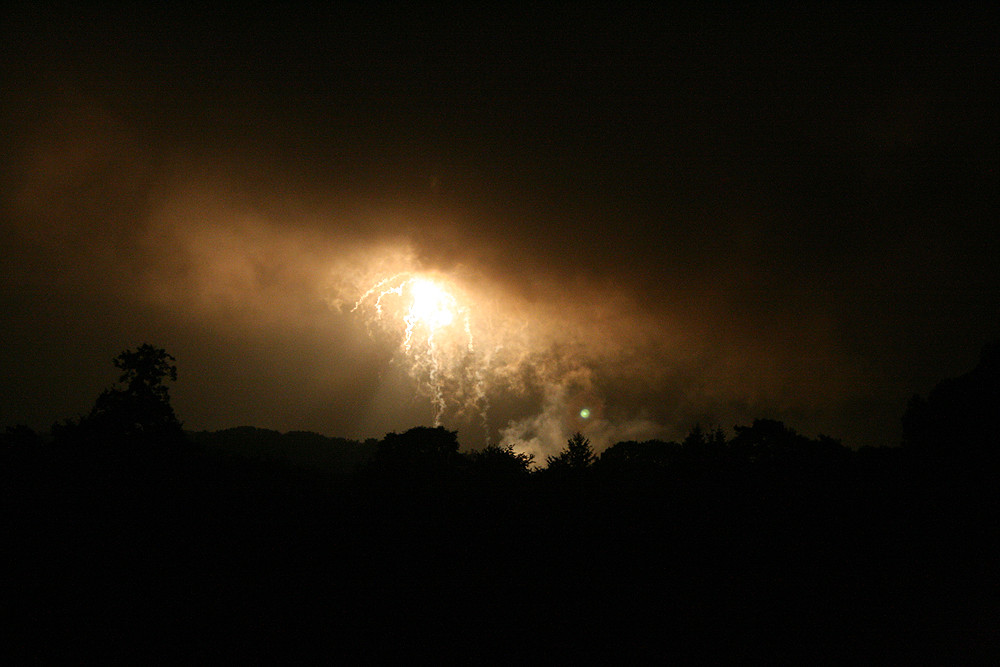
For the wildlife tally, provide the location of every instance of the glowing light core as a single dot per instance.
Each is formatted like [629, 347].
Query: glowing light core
[432, 306]
[585, 413]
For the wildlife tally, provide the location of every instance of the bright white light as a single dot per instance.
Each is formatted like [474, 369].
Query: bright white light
[432, 306]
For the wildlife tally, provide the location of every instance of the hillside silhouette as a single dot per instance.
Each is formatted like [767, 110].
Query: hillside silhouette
[130, 540]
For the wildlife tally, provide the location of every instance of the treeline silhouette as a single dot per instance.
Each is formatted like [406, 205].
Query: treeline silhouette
[128, 540]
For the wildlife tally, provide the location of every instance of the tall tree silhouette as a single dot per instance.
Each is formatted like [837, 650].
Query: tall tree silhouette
[577, 455]
[138, 408]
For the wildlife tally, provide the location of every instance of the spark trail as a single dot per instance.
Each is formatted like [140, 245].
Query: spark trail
[435, 333]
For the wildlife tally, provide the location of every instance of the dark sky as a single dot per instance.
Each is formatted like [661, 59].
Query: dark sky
[665, 216]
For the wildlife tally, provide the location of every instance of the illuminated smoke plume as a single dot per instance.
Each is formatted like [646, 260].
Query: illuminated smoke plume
[478, 353]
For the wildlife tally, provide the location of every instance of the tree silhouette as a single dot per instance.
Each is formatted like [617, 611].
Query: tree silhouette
[139, 408]
[577, 455]
[767, 440]
[632, 457]
[418, 451]
[957, 420]
[705, 449]
[500, 462]
[699, 439]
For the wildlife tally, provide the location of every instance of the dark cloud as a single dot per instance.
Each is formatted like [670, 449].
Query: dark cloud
[675, 216]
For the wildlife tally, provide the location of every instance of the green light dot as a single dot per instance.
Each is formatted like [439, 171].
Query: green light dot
[585, 413]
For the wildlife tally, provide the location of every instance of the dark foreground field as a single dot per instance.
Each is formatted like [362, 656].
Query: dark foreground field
[197, 555]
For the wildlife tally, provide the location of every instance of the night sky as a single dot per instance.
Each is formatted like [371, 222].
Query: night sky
[664, 217]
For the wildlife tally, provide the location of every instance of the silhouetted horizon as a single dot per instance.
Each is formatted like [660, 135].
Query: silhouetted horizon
[985, 369]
